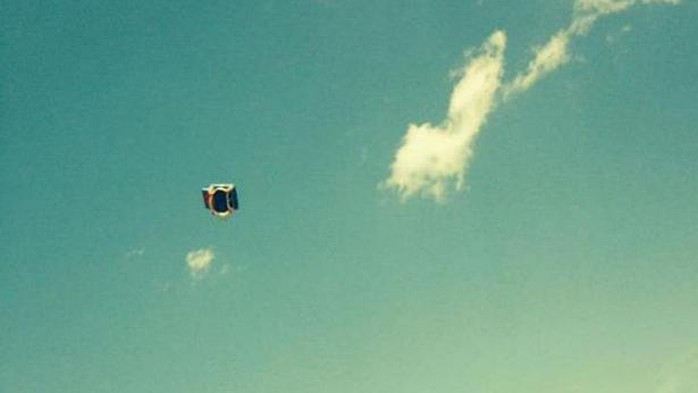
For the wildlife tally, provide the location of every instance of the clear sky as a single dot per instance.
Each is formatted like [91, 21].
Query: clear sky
[436, 196]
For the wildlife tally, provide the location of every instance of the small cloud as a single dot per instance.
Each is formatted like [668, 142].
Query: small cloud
[135, 253]
[612, 38]
[432, 158]
[363, 155]
[199, 262]
[164, 287]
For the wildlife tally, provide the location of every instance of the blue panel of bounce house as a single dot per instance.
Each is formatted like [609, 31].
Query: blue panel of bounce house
[220, 201]
[234, 199]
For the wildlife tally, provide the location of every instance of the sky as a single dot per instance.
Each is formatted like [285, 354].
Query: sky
[435, 196]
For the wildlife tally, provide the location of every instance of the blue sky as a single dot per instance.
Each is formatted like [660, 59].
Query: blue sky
[436, 196]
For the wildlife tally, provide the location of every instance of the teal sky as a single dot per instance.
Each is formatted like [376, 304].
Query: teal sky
[568, 262]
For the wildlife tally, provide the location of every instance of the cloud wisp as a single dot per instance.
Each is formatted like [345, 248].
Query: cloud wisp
[433, 159]
[199, 262]
[547, 59]
[555, 52]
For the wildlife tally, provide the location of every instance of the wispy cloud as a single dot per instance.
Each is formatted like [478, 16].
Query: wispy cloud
[546, 60]
[199, 262]
[431, 158]
[613, 37]
[600, 7]
[555, 52]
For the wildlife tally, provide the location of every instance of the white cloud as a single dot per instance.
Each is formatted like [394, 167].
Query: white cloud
[199, 261]
[602, 6]
[432, 158]
[547, 59]
[612, 6]
[555, 53]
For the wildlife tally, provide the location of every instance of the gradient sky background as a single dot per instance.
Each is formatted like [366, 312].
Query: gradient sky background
[567, 264]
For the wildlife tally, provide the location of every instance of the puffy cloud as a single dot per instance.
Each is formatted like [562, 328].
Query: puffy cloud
[199, 261]
[432, 158]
